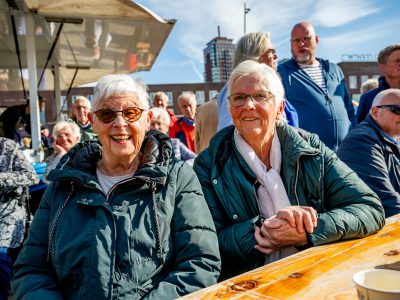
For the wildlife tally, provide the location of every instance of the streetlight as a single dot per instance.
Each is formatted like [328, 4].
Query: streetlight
[246, 11]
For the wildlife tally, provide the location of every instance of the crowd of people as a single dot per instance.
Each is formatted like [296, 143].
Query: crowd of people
[142, 204]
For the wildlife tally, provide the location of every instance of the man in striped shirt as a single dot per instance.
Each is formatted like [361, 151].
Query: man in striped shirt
[316, 88]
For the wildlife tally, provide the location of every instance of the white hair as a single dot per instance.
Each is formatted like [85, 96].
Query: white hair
[382, 95]
[161, 114]
[270, 78]
[84, 99]
[76, 132]
[119, 84]
[186, 95]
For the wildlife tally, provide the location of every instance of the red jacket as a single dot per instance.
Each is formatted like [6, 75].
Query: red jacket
[184, 131]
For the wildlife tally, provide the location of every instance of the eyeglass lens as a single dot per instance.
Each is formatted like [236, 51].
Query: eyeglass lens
[130, 114]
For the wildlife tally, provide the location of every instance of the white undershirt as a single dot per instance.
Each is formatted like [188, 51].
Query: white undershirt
[107, 182]
[316, 74]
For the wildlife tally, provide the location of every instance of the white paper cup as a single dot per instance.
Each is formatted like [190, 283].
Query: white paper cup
[377, 284]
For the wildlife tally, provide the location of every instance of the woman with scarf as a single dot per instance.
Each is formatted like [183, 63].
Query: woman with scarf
[273, 189]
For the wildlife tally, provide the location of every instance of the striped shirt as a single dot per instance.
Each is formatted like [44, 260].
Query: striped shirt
[316, 74]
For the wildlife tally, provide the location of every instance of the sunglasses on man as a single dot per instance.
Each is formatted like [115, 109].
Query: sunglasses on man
[392, 107]
[108, 115]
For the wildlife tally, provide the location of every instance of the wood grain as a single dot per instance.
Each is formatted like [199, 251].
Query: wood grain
[323, 272]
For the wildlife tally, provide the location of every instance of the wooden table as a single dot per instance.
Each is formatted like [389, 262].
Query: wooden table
[323, 272]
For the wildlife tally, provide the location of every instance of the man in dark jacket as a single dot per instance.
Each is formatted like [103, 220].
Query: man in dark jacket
[377, 138]
[389, 64]
[316, 88]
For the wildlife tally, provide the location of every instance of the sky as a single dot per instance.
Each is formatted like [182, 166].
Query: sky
[343, 27]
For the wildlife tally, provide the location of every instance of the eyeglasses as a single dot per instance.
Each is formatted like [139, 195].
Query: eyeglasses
[130, 114]
[393, 108]
[238, 100]
[305, 39]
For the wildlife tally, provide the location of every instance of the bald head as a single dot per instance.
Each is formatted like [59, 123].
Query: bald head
[303, 42]
[385, 111]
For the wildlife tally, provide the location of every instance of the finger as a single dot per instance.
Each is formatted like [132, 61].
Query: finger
[307, 221]
[287, 214]
[299, 220]
[273, 223]
[313, 214]
[264, 250]
[260, 240]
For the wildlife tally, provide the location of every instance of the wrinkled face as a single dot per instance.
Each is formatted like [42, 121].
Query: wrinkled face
[159, 124]
[253, 120]
[387, 120]
[303, 44]
[269, 57]
[187, 106]
[66, 139]
[161, 101]
[81, 110]
[121, 139]
[391, 69]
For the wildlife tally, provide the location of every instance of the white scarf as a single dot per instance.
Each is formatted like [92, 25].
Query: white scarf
[271, 195]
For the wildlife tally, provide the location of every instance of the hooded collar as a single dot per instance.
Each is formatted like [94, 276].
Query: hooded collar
[79, 164]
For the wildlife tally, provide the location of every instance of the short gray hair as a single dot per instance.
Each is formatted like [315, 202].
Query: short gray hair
[120, 84]
[382, 95]
[251, 46]
[160, 113]
[270, 77]
[368, 85]
[185, 95]
[76, 132]
[84, 99]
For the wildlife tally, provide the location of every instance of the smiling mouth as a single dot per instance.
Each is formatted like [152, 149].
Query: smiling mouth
[249, 119]
[120, 138]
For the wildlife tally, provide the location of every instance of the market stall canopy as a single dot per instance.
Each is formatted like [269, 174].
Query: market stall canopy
[95, 37]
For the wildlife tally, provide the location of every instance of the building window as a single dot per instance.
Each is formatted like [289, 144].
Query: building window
[353, 81]
[212, 93]
[364, 78]
[200, 97]
[170, 97]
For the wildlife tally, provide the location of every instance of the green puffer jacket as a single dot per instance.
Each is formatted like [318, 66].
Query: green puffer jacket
[150, 237]
[312, 175]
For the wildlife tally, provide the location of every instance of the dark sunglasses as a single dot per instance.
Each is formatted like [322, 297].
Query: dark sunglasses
[393, 108]
[130, 114]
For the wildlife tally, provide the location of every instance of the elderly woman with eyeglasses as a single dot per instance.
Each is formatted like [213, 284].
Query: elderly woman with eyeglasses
[273, 189]
[122, 218]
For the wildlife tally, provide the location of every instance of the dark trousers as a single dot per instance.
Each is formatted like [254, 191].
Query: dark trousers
[5, 275]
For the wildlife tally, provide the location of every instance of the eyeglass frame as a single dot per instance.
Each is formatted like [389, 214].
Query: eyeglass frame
[393, 108]
[305, 39]
[271, 96]
[122, 114]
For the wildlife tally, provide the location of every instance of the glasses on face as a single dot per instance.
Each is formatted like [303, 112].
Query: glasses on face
[305, 39]
[238, 100]
[392, 107]
[108, 115]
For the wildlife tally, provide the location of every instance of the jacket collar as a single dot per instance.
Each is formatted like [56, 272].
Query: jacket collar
[292, 64]
[380, 131]
[222, 146]
[80, 162]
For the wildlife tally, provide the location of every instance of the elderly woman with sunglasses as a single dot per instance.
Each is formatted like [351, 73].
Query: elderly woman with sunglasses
[273, 189]
[122, 218]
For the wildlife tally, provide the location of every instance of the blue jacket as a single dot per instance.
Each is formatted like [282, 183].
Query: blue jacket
[366, 99]
[331, 114]
[376, 160]
[225, 118]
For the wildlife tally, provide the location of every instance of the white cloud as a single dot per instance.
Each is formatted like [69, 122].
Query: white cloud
[330, 13]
